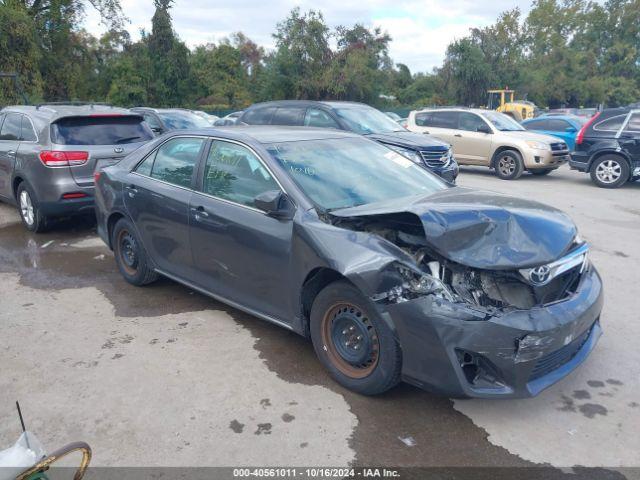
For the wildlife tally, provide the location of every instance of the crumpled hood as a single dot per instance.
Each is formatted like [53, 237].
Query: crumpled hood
[483, 229]
[409, 140]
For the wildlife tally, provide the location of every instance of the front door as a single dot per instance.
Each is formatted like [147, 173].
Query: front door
[471, 146]
[157, 197]
[241, 253]
[9, 136]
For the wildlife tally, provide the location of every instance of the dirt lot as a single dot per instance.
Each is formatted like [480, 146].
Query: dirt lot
[165, 376]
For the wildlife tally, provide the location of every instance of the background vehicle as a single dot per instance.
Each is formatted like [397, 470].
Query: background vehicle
[608, 147]
[393, 273]
[230, 119]
[359, 118]
[162, 120]
[585, 113]
[565, 127]
[502, 101]
[49, 153]
[492, 139]
[207, 116]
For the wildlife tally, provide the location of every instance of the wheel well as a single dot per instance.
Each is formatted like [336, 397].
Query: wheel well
[606, 152]
[499, 150]
[111, 222]
[16, 182]
[316, 280]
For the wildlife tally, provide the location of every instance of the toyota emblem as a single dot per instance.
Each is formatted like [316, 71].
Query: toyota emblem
[540, 275]
[118, 149]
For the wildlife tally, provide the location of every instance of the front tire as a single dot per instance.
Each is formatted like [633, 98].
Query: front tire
[509, 165]
[130, 256]
[30, 214]
[353, 342]
[610, 171]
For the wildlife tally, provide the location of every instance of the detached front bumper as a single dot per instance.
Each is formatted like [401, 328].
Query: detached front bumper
[452, 349]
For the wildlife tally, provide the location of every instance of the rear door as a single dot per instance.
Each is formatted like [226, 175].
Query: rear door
[470, 145]
[630, 137]
[10, 132]
[107, 138]
[440, 124]
[157, 196]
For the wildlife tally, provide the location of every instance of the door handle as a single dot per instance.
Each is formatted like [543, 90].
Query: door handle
[11, 153]
[200, 213]
[132, 190]
[458, 135]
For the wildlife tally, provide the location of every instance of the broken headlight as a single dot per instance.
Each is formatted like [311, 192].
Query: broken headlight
[415, 284]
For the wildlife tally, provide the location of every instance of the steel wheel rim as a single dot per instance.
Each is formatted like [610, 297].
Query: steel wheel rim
[609, 171]
[128, 252]
[507, 165]
[26, 207]
[354, 357]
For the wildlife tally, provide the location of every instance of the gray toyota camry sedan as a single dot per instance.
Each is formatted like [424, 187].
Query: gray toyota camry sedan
[392, 273]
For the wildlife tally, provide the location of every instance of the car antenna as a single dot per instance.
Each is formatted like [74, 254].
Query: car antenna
[24, 430]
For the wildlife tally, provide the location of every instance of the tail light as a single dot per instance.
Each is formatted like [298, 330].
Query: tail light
[56, 158]
[96, 176]
[580, 137]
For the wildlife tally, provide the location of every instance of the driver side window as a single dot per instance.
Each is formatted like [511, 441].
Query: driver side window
[234, 173]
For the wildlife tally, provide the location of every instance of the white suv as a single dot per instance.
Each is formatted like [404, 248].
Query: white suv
[492, 139]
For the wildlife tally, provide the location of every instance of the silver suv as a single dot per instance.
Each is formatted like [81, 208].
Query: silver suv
[49, 154]
[492, 139]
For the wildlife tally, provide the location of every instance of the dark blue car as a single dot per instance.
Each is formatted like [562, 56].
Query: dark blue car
[565, 127]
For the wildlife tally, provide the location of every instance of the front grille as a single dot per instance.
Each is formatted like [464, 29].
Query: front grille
[435, 158]
[559, 147]
[555, 360]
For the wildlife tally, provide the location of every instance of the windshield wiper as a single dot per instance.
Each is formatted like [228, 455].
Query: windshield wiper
[126, 139]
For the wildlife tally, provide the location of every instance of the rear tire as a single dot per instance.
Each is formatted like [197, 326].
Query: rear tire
[353, 342]
[540, 172]
[131, 257]
[610, 171]
[29, 209]
[509, 165]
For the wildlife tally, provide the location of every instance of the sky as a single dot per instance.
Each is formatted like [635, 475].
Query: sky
[420, 29]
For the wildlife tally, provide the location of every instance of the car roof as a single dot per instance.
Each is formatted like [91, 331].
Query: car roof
[270, 133]
[454, 109]
[51, 112]
[308, 103]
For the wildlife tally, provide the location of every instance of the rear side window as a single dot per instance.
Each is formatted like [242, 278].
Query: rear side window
[634, 123]
[424, 119]
[440, 120]
[612, 124]
[28, 134]
[106, 130]
[287, 116]
[175, 161]
[259, 116]
[11, 127]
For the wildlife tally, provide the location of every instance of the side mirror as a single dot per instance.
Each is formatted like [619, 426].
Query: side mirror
[157, 130]
[483, 128]
[275, 203]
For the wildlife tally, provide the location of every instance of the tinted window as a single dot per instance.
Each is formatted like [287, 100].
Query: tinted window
[471, 122]
[319, 118]
[234, 173]
[28, 134]
[612, 124]
[536, 125]
[259, 116]
[444, 119]
[424, 119]
[634, 123]
[144, 168]
[182, 120]
[556, 125]
[346, 172]
[176, 160]
[11, 127]
[115, 130]
[288, 116]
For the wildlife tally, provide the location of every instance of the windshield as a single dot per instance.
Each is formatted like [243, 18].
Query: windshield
[502, 122]
[366, 120]
[349, 172]
[183, 120]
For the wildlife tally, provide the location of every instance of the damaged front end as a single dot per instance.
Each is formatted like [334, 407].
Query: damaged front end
[472, 331]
